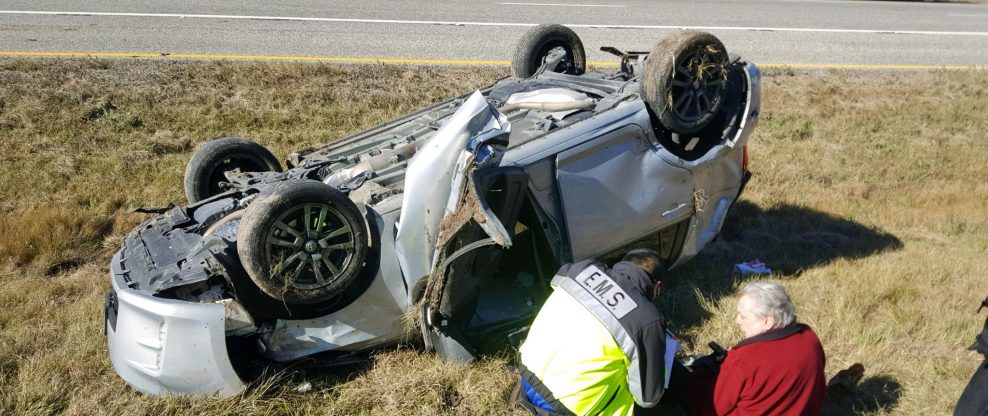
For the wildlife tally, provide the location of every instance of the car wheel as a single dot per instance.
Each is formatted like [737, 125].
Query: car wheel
[685, 79]
[302, 242]
[547, 40]
[208, 166]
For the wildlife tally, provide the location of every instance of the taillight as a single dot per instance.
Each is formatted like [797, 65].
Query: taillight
[744, 162]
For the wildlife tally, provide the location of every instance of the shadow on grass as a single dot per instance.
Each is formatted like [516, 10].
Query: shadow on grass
[873, 395]
[787, 238]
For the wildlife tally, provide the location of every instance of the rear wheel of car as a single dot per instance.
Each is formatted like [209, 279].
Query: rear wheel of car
[302, 242]
[685, 79]
[207, 169]
[549, 40]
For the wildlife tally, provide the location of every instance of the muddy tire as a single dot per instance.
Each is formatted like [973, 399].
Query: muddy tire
[302, 242]
[536, 44]
[207, 168]
[685, 80]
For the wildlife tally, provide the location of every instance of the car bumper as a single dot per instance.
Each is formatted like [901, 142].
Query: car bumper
[163, 346]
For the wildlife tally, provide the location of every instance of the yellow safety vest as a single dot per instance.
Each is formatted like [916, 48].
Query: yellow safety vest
[589, 375]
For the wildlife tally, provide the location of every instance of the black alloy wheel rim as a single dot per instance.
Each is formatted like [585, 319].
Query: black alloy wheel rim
[696, 85]
[310, 246]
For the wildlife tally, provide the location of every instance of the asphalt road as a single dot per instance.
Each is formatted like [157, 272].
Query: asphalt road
[790, 32]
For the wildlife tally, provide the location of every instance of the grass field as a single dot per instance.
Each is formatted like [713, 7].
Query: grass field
[868, 201]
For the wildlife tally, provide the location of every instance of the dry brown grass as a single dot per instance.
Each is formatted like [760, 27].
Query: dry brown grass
[868, 200]
[55, 237]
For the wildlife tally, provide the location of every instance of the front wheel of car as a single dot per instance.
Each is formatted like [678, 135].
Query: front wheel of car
[685, 80]
[206, 171]
[302, 242]
[549, 41]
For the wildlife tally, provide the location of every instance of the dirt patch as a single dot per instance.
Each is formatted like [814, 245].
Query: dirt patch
[451, 397]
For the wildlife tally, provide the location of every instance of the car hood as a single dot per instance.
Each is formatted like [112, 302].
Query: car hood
[472, 138]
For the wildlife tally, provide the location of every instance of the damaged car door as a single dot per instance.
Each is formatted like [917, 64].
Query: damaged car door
[456, 203]
[618, 188]
[482, 292]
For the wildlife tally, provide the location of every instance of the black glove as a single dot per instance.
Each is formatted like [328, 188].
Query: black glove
[719, 352]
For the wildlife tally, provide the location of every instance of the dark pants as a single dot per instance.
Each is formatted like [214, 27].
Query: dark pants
[974, 400]
[691, 390]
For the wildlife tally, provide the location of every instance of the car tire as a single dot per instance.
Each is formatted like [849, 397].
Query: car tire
[536, 44]
[302, 242]
[207, 168]
[685, 80]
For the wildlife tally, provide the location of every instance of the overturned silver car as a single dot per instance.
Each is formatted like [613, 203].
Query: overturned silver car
[447, 223]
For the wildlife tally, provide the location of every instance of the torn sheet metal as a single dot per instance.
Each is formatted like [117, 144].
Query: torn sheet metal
[436, 173]
[468, 205]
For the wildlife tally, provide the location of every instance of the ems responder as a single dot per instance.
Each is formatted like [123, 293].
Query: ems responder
[598, 344]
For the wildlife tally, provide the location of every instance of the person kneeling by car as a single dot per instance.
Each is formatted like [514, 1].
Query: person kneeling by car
[598, 344]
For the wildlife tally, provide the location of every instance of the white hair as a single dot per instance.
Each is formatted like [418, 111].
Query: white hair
[770, 300]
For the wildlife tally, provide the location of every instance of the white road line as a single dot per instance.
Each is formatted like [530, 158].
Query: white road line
[503, 24]
[564, 5]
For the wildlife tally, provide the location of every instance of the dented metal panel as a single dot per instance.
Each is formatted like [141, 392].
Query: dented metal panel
[718, 174]
[164, 346]
[617, 188]
[430, 179]
[349, 329]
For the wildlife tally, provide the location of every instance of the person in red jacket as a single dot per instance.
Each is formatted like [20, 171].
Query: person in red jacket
[778, 368]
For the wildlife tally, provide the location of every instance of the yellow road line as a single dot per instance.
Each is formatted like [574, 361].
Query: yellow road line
[439, 61]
